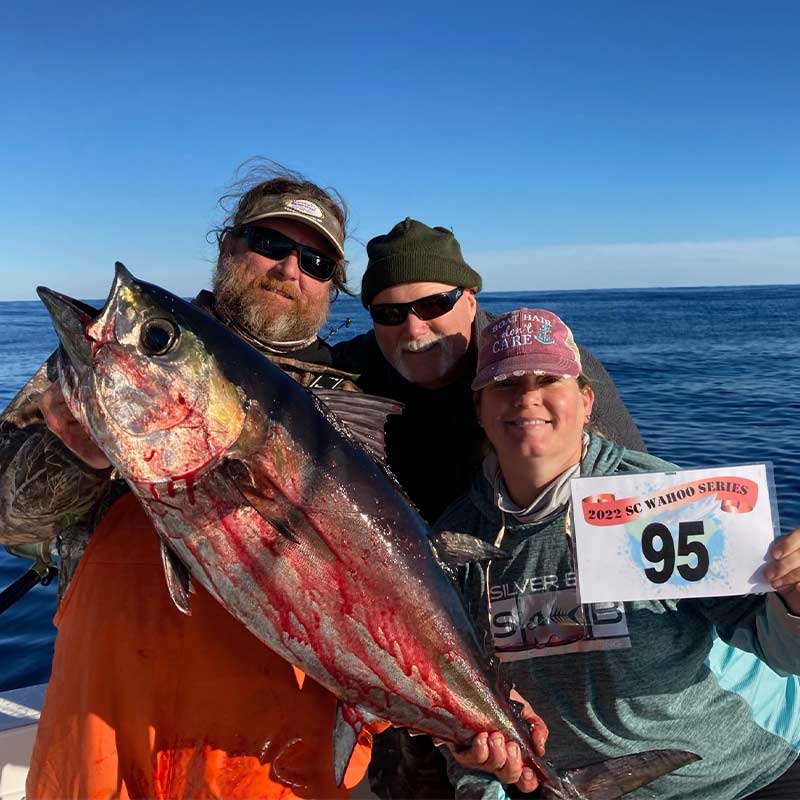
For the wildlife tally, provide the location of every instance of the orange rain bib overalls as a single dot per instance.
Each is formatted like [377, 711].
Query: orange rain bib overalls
[145, 702]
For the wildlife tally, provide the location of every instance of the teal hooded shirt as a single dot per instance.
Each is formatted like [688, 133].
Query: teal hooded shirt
[715, 676]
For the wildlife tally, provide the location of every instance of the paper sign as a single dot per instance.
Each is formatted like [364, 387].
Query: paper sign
[671, 535]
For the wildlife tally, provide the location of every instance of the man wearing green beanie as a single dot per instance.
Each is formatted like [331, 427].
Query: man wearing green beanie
[420, 293]
[412, 251]
[425, 342]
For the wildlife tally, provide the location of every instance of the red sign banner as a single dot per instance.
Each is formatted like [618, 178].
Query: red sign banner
[735, 496]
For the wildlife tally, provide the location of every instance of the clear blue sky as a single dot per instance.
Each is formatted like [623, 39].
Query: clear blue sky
[568, 145]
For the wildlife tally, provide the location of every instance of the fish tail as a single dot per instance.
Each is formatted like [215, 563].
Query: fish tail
[608, 780]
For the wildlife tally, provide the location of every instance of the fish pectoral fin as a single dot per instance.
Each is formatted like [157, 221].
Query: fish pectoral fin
[239, 476]
[457, 549]
[257, 502]
[177, 577]
[364, 416]
[351, 722]
[608, 780]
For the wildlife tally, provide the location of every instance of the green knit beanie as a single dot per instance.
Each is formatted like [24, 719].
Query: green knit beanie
[411, 252]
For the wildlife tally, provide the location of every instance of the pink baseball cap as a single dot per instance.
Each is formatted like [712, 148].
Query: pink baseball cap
[528, 340]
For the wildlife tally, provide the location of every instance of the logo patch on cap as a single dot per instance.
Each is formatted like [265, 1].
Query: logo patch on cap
[305, 207]
[543, 334]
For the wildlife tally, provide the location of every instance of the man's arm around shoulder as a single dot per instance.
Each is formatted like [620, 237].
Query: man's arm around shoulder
[42, 481]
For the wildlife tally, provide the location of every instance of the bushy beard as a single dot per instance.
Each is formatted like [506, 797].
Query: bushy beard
[239, 295]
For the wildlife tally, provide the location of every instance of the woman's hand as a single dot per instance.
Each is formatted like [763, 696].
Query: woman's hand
[60, 421]
[490, 752]
[784, 571]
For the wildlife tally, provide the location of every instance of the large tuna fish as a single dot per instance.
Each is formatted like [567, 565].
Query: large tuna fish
[259, 490]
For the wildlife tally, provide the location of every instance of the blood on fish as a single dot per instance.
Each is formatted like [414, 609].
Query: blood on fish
[283, 588]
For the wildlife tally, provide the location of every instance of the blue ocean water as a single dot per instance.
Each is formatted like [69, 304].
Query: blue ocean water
[709, 375]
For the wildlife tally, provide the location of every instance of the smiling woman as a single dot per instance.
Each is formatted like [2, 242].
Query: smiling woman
[532, 399]
[535, 424]
[603, 677]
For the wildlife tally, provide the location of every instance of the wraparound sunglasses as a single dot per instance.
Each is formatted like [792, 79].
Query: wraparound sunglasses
[277, 246]
[429, 307]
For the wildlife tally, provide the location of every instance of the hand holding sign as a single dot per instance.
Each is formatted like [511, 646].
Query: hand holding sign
[784, 571]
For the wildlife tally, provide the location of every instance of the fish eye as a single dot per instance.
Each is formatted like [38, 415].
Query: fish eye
[158, 336]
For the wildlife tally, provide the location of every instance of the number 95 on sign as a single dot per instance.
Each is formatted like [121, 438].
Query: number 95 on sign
[671, 535]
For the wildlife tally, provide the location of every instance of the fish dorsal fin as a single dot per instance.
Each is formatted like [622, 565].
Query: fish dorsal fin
[177, 577]
[364, 415]
[457, 549]
[349, 723]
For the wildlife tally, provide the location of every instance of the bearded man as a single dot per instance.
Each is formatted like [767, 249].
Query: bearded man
[142, 700]
[280, 259]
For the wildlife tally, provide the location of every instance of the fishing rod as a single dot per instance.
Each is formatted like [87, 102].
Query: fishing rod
[42, 572]
[331, 331]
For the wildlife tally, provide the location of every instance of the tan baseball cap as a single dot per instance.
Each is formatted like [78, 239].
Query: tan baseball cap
[300, 207]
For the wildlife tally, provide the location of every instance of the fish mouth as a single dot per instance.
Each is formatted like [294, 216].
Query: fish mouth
[81, 328]
[70, 318]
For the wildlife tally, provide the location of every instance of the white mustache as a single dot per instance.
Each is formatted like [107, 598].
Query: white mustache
[415, 345]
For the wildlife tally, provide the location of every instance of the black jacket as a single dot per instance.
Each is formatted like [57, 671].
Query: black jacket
[435, 446]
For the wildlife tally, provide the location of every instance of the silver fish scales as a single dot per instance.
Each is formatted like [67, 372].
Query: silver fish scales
[262, 495]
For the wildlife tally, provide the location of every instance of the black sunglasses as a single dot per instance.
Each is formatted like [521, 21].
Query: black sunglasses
[277, 246]
[430, 307]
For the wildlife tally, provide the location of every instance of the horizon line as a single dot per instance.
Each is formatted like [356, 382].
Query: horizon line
[485, 292]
